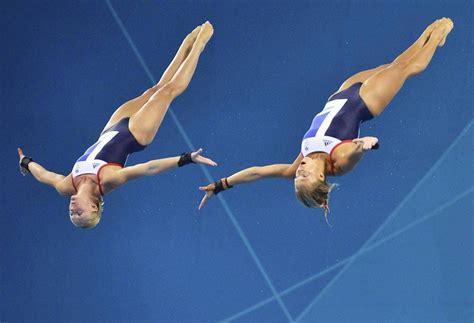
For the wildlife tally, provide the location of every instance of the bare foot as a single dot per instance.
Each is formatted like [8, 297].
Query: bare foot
[448, 25]
[191, 37]
[427, 33]
[206, 33]
[430, 28]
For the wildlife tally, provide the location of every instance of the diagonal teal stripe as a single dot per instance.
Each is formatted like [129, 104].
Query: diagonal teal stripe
[205, 171]
[387, 220]
[375, 245]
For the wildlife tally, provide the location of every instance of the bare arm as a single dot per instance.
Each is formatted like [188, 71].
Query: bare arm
[155, 167]
[152, 167]
[256, 173]
[252, 174]
[45, 176]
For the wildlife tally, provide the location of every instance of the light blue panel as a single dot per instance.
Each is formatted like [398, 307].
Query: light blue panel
[448, 178]
[297, 300]
[271, 312]
[423, 275]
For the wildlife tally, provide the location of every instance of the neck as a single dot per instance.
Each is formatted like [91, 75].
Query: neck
[87, 186]
[322, 160]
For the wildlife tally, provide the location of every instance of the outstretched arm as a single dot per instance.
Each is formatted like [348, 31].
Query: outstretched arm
[41, 174]
[157, 166]
[255, 173]
[248, 175]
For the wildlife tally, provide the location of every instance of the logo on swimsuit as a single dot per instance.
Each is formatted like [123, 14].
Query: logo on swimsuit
[94, 165]
[327, 142]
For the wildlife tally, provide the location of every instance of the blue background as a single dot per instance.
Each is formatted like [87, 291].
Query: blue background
[400, 247]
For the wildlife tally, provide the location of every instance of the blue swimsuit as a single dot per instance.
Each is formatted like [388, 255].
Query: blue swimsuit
[338, 122]
[113, 147]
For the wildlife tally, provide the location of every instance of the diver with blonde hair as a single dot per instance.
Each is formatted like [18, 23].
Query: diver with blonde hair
[332, 146]
[132, 127]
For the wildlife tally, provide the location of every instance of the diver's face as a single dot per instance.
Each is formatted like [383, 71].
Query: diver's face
[81, 209]
[308, 173]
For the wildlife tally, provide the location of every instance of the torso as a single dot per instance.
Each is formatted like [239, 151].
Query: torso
[102, 160]
[333, 129]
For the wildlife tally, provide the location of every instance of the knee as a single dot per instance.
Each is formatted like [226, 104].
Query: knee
[409, 67]
[382, 67]
[166, 92]
[172, 89]
[149, 92]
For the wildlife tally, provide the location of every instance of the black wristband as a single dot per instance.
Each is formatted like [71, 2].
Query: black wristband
[227, 184]
[185, 159]
[24, 169]
[376, 146]
[220, 186]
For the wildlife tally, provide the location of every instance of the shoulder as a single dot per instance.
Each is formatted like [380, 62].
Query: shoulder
[111, 177]
[290, 170]
[345, 157]
[344, 149]
[65, 187]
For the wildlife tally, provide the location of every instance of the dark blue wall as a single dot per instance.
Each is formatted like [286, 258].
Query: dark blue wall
[65, 67]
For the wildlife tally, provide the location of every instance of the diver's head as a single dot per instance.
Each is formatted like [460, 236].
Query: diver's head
[311, 187]
[85, 210]
[311, 170]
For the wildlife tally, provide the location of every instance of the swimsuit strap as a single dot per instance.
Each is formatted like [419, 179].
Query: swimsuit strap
[331, 161]
[73, 185]
[98, 173]
[98, 177]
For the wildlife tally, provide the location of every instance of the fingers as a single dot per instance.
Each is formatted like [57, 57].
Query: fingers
[20, 152]
[207, 188]
[197, 158]
[198, 152]
[203, 201]
[207, 161]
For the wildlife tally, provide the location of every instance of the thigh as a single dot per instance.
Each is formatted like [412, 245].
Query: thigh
[145, 123]
[360, 77]
[129, 108]
[379, 89]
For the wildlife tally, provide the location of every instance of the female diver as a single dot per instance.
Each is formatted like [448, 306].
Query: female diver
[331, 146]
[131, 128]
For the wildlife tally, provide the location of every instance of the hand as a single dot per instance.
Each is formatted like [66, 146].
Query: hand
[367, 142]
[20, 153]
[198, 159]
[209, 189]
[23, 170]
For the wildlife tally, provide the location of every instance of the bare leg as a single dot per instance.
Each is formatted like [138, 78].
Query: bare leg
[378, 90]
[129, 108]
[360, 77]
[145, 123]
[415, 47]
